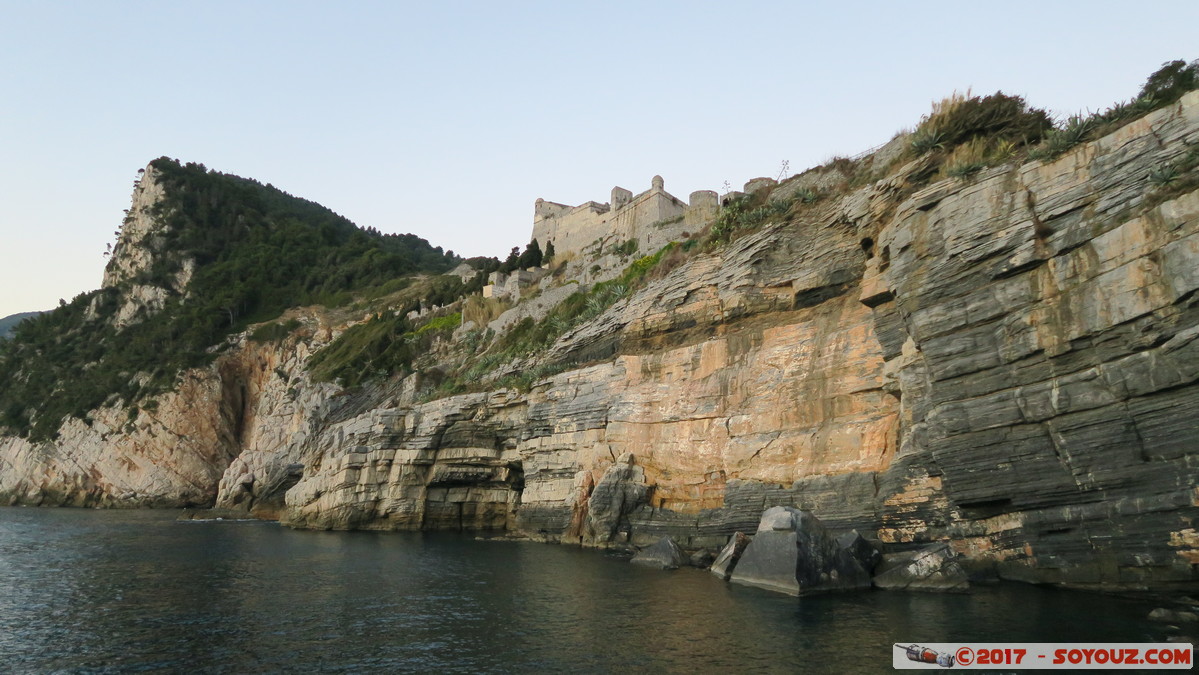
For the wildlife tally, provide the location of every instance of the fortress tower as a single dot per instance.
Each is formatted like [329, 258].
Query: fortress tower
[653, 218]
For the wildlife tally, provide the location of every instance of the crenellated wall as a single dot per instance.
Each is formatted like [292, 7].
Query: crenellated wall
[653, 218]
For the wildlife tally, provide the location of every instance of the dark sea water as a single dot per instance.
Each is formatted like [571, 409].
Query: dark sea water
[137, 591]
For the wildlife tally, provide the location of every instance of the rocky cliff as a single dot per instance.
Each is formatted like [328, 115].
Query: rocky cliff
[1006, 363]
[142, 244]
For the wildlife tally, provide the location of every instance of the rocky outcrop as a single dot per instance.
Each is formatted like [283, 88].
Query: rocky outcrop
[140, 246]
[1005, 366]
[451, 464]
[170, 456]
[933, 568]
[726, 561]
[230, 430]
[1039, 325]
[665, 555]
[862, 550]
[794, 553]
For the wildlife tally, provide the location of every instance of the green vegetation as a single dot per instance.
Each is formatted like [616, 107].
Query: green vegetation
[258, 251]
[275, 331]
[667, 221]
[8, 323]
[440, 324]
[1174, 179]
[626, 248]
[364, 351]
[749, 211]
[961, 119]
[1164, 87]
[976, 154]
[516, 260]
[379, 348]
[530, 337]
[1170, 82]
[968, 134]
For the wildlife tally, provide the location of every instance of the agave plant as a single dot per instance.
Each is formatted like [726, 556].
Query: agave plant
[927, 140]
[1164, 176]
[964, 169]
[595, 305]
[806, 196]
[1076, 129]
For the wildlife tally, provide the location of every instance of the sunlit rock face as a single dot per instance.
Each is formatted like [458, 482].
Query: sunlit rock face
[1006, 364]
[141, 246]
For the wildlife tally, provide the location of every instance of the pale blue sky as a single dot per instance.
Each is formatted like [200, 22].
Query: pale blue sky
[449, 119]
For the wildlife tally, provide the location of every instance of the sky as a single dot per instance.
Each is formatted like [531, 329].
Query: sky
[450, 119]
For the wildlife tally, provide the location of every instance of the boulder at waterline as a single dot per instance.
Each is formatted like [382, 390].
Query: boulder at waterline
[932, 568]
[664, 555]
[793, 553]
[862, 550]
[726, 561]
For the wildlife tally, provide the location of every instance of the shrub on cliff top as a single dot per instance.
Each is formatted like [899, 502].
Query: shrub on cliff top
[1164, 87]
[1170, 82]
[961, 118]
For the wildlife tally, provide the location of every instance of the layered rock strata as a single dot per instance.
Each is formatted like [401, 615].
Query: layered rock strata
[1006, 364]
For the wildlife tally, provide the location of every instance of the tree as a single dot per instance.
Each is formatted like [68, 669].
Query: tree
[1171, 81]
[549, 253]
[531, 257]
[511, 262]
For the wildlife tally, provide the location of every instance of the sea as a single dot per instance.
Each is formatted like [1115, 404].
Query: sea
[88, 591]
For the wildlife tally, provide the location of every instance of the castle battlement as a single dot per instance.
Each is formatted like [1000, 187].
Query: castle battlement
[652, 217]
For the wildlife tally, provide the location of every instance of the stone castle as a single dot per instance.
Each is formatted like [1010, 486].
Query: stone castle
[653, 218]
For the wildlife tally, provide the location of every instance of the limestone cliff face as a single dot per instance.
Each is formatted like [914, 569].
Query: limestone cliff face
[140, 245]
[225, 429]
[1008, 364]
[167, 457]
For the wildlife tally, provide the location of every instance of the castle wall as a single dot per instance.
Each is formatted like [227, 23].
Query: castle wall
[640, 217]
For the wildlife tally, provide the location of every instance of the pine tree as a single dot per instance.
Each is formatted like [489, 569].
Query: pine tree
[532, 256]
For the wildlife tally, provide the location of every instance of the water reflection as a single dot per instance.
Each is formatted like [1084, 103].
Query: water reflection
[118, 591]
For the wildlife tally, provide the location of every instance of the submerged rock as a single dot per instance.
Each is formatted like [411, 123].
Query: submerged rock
[932, 568]
[805, 558]
[664, 555]
[1173, 616]
[726, 560]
